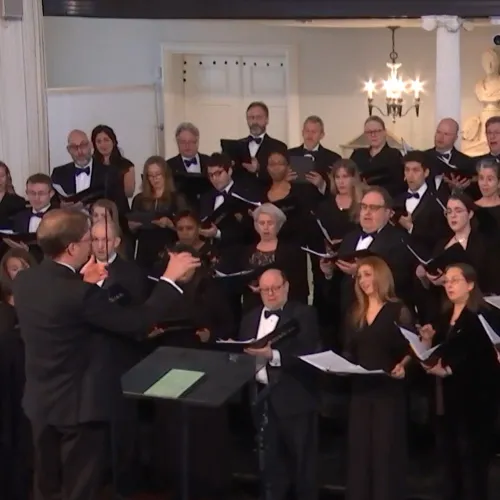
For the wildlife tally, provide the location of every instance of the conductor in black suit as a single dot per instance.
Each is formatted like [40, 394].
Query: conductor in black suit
[60, 316]
[288, 412]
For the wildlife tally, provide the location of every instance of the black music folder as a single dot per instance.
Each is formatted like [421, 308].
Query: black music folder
[87, 196]
[232, 205]
[355, 255]
[446, 168]
[27, 238]
[236, 149]
[190, 377]
[302, 165]
[455, 254]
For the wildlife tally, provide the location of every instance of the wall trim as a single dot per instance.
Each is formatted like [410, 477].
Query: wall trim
[290, 52]
[99, 89]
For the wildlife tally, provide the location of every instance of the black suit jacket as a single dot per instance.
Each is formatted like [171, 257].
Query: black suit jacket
[106, 178]
[59, 329]
[324, 158]
[267, 146]
[178, 167]
[10, 205]
[232, 230]
[292, 386]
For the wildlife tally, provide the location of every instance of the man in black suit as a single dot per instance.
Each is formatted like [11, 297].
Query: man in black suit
[444, 150]
[65, 396]
[377, 235]
[189, 164]
[288, 407]
[39, 193]
[84, 173]
[313, 133]
[419, 211]
[259, 144]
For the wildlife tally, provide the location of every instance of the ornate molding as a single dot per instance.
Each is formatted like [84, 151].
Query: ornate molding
[452, 24]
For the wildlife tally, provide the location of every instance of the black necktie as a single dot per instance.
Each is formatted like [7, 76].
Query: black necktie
[79, 171]
[192, 161]
[365, 235]
[257, 140]
[268, 313]
[445, 156]
[38, 214]
[413, 195]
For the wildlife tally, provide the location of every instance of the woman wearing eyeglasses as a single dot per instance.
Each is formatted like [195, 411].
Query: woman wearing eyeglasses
[481, 252]
[466, 371]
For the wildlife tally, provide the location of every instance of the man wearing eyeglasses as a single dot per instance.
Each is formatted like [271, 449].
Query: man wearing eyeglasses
[287, 404]
[375, 235]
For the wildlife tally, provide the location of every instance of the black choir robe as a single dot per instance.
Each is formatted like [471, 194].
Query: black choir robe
[10, 205]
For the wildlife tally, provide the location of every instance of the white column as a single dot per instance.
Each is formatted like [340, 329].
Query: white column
[448, 75]
[23, 105]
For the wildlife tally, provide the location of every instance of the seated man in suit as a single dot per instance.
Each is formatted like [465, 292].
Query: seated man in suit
[189, 161]
[65, 398]
[84, 173]
[288, 412]
[39, 193]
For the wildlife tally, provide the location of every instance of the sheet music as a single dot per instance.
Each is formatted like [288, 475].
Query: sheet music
[494, 300]
[7, 231]
[422, 261]
[59, 189]
[406, 147]
[319, 254]
[494, 337]
[218, 274]
[419, 348]
[250, 202]
[330, 362]
[323, 230]
[152, 278]
[446, 162]
[231, 341]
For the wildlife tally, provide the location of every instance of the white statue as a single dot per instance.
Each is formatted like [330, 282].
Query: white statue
[487, 91]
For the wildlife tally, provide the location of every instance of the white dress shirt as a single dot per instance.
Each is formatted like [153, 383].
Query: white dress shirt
[364, 243]
[253, 147]
[35, 221]
[111, 259]
[194, 168]
[219, 199]
[82, 181]
[412, 203]
[266, 326]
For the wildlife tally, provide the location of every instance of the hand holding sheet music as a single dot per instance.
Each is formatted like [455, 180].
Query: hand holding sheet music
[420, 348]
[329, 362]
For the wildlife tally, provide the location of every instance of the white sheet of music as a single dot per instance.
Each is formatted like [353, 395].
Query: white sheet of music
[419, 348]
[494, 337]
[329, 362]
[494, 300]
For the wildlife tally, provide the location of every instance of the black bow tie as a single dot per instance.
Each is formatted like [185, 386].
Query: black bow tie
[268, 314]
[192, 161]
[365, 235]
[257, 140]
[445, 156]
[79, 171]
[38, 214]
[413, 195]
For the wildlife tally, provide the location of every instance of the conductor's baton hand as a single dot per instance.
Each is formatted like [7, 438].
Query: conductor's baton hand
[179, 264]
[94, 271]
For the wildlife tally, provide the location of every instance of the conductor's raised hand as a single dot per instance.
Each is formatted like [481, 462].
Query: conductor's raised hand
[94, 271]
[179, 264]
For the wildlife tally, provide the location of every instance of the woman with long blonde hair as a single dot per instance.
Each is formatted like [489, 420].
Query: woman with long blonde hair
[377, 413]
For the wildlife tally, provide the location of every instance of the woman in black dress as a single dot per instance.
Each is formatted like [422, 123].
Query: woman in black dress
[377, 439]
[15, 437]
[158, 196]
[488, 211]
[107, 152]
[466, 372]
[379, 164]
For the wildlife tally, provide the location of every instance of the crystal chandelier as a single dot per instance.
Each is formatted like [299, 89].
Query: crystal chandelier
[395, 88]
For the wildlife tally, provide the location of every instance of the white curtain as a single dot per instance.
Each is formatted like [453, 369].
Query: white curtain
[23, 101]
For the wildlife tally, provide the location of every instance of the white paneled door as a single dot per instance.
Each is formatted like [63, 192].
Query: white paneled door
[218, 89]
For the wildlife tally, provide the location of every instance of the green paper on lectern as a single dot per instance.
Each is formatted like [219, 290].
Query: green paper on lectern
[173, 384]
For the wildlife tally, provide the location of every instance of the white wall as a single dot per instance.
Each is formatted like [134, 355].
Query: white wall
[332, 62]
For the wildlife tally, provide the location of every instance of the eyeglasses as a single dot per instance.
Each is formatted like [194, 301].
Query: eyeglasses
[271, 289]
[371, 208]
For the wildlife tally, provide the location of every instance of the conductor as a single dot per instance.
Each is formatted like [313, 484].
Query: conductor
[59, 315]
